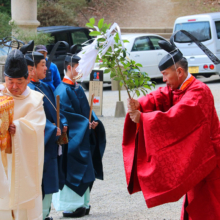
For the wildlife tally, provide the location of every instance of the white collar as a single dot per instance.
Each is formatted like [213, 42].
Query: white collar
[67, 77]
[189, 75]
[26, 92]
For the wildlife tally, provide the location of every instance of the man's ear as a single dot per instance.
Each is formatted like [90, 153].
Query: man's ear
[180, 71]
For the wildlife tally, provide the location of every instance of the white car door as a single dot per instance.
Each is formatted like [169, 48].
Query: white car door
[143, 52]
[160, 52]
[146, 51]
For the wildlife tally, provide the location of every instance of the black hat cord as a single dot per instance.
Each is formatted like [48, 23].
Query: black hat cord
[210, 55]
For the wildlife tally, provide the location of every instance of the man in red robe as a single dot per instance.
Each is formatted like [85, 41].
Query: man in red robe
[171, 143]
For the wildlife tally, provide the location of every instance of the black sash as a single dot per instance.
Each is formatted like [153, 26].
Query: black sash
[210, 55]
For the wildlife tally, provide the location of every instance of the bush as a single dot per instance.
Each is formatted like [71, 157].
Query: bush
[4, 25]
[58, 12]
[26, 36]
[5, 6]
[23, 35]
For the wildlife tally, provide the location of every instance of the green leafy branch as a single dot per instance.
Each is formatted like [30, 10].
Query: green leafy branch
[116, 61]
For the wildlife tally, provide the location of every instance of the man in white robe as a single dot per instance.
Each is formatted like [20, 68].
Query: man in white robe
[23, 199]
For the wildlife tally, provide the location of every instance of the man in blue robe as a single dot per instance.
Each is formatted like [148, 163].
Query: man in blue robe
[82, 157]
[51, 178]
[52, 77]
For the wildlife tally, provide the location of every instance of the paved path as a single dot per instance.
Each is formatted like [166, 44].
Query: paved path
[109, 198]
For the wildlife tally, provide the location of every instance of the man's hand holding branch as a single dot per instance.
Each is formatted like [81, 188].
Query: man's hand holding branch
[133, 106]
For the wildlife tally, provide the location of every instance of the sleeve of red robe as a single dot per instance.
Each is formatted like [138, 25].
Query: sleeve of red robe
[175, 147]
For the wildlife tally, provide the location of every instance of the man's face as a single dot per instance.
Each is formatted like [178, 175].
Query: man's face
[170, 77]
[30, 71]
[44, 53]
[16, 86]
[41, 69]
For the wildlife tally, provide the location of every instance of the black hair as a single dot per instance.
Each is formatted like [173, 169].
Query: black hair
[182, 63]
[36, 62]
[68, 63]
[26, 75]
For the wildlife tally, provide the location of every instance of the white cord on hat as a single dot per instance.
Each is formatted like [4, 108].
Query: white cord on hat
[79, 75]
[174, 63]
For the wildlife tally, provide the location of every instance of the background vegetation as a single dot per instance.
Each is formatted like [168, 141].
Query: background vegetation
[4, 25]
[5, 6]
[59, 12]
[50, 13]
[77, 12]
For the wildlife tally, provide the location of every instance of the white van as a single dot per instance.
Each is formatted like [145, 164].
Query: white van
[206, 28]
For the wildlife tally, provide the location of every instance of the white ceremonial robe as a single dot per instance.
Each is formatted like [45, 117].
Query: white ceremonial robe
[25, 165]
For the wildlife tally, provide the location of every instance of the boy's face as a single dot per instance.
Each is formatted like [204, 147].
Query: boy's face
[31, 71]
[72, 70]
[41, 69]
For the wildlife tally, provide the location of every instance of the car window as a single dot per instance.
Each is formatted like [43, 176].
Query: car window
[142, 44]
[201, 30]
[79, 37]
[61, 37]
[155, 41]
[217, 25]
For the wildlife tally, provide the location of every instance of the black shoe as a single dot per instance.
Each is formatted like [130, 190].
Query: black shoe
[80, 212]
[48, 218]
[88, 210]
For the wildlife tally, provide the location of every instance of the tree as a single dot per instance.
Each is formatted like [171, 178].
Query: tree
[4, 25]
[59, 12]
[5, 6]
[109, 47]
[23, 35]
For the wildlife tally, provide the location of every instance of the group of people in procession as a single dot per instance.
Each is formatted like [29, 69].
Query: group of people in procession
[171, 141]
[49, 163]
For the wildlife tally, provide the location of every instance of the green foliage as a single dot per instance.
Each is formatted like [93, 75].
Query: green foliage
[23, 35]
[5, 7]
[20, 34]
[59, 12]
[4, 25]
[117, 63]
[26, 36]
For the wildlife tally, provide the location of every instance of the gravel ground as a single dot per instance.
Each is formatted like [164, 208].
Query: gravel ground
[110, 198]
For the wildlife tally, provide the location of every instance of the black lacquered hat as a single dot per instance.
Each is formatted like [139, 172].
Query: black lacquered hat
[27, 47]
[173, 56]
[72, 58]
[33, 56]
[15, 65]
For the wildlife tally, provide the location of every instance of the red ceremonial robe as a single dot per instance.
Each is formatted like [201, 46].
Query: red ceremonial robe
[176, 150]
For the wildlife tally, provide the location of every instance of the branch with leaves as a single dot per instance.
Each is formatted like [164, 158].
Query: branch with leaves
[115, 58]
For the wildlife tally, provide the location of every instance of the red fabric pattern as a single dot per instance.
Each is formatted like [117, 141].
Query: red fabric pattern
[176, 148]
